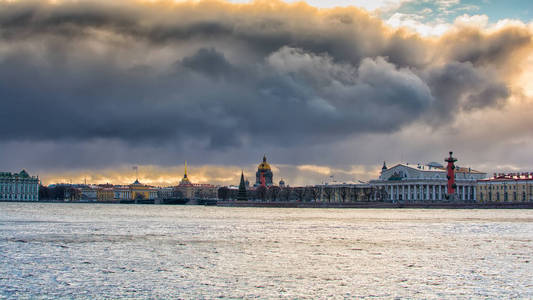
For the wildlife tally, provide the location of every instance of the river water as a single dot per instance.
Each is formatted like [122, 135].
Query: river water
[191, 252]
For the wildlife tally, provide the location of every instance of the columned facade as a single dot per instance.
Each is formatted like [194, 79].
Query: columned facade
[426, 184]
[18, 187]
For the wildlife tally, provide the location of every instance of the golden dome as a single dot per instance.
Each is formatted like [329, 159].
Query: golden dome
[264, 165]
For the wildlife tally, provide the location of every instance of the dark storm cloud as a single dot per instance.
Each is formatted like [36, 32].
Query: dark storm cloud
[226, 75]
[487, 49]
[461, 85]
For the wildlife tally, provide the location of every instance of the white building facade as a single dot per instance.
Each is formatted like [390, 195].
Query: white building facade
[18, 187]
[405, 183]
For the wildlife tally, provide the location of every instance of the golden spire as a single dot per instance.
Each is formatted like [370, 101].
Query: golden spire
[185, 176]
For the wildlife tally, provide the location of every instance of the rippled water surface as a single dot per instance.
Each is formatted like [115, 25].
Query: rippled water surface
[136, 251]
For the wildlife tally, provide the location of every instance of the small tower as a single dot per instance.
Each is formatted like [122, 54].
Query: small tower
[242, 196]
[384, 167]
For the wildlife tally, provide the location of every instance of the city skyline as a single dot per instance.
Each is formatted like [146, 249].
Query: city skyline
[224, 176]
[92, 88]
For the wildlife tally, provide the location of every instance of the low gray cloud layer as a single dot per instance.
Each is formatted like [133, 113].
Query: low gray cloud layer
[221, 77]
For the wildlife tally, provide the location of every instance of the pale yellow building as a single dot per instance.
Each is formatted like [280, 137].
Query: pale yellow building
[135, 191]
[105, 194]
[513, 187]
[188, 190]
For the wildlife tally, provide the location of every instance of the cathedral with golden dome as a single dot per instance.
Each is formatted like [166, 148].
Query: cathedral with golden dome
[264, 174]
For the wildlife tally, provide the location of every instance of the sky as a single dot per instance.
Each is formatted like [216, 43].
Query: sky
[327, 90]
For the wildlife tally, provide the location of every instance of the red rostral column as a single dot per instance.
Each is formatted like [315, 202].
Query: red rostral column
[451, 176]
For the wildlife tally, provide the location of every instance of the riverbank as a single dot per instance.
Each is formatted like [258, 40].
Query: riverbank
[221, 203]
[494, 205]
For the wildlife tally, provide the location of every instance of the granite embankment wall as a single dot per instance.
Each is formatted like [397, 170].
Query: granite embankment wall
[373, 205]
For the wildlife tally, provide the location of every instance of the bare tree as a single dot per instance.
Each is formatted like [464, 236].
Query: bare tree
[274, 192]
[315, 192]
[223, 193]
[261, 192]
[344, 193]
[300, 193]
[329, 192]
[286, 194]
[354, 195]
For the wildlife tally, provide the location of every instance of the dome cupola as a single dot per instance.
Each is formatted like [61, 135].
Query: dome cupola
[264, 165]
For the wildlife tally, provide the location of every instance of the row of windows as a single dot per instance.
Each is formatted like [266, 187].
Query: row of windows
[18, 188]
[12, 181]
[504, 187]
[18, 197]
[437, 196]
[504, 196]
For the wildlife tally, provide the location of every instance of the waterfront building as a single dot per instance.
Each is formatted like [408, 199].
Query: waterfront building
[406, 183]
[105, 193]
[188, 190]
[88, 193]
[341, 192]
[62, 192]
[205, 191]
[264, 174]
[141, 191]
[18, 187]
[135, 191]
[165, 193]
[185, 188]
[511, 187]
[227, 192]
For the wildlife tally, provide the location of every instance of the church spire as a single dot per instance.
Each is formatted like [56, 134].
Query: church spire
[264, 158]
[185, 175]
[384, 166]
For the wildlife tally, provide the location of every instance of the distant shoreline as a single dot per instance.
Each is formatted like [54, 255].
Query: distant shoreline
[492, 205]
[220, 203]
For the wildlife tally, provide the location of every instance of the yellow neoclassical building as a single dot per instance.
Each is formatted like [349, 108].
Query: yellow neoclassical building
[512, 187]
[135, 191]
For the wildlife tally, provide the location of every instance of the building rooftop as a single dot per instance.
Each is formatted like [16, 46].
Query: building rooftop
[434, 168]
[500, 177]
